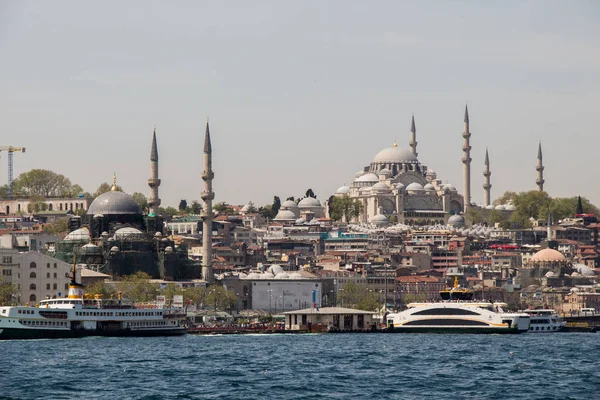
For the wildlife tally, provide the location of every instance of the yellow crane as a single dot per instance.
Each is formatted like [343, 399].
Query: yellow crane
[11, 150]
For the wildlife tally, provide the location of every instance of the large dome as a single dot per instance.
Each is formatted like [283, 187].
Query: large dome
[548, 255]
[114, 203]
[395, 155]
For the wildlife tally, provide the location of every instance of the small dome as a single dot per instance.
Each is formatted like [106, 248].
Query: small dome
[275, 269]
[368, 177]
[282, 275]
[500, 207]
[343, 190]
[359, 174]
[456, 221]
[114, 249]
[548, 255]
[296, 275]
[285, 215]
[431, 173]
[253, 275]
[81, 235]
[381, 187]
[400, 186]
[267, 275]
[309, 202]
[111, 203]
[415, 187]
[550, 274]
[158, 235]
[168, 249]
[379, 219]
[429, 188]
[489, 207]
[243, 275]
[395, 155]
[509, 207]
[289, 204]
[89, 249]
[127, 232]
[385, 172]
[450, 187]
[245, 209]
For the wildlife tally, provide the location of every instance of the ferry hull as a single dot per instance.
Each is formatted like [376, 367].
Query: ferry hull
[449, 329]
[17, 333]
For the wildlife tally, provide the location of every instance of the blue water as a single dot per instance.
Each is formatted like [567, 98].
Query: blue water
[344, 366]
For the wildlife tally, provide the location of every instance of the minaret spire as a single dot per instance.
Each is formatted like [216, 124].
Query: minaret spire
[549, 230]
[487, 186]
[207, 215]
[579, 209]
[153, 182]
[466, 160]
[413, 137]
[540, 170]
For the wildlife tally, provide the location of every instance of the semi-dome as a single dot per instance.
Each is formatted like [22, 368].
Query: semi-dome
[395, 155]
[127, 232]
[385, 172]
[296, 275]
[429, 187]
[500, 207]
[509, 207]
[253, 275]
[415, 186]
[369, 177]
[114, 202]
[309, 202]
[548, 255]
[343, 190]
[381, 187]
[81, 235]
[275, 269]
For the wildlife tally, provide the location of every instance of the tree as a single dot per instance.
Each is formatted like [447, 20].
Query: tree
[168, 210]
[357, 296]
[345, 207]
[37, 204]
[507, 197]
[473, 216]
[8, 291]
[291, 198]
[265, 211]
[182, 205]
[276, 206]
[251, 208]
[101, 288]
[142, 201]
[219, 297]
[196, 295]
[138, 288]
[310, 193]
[58, 227]
[42, 182]
[171, 290]
[196, 207]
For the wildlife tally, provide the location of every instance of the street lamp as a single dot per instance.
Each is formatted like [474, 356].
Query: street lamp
[270, 298]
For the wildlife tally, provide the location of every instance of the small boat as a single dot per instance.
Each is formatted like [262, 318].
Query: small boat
[544, 321]
[458, 313]
[79, 315]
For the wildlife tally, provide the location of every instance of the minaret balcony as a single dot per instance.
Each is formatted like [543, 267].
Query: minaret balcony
[539, 181]
[153, 182]
[207, 196]
[539, 168]
[466, 160]
[487, 174]
[487, 186]
[466, 135]
[466, 147]
[207, 175]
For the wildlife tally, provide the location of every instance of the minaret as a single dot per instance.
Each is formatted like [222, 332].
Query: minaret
[207, 195]
[540, 170]
[579, 209]
[153, 182]
[466, 160]
[549, 228]
[413, 137]
[487, 186]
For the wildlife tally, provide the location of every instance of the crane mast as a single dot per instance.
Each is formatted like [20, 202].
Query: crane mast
[11, 150]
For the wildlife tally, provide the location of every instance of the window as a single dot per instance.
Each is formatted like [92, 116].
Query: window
[32, 286]
[32, 265]
[7, 259]
[47, 286]
[32, 298]
[54, 265]
[55, 286]
[48, 275]
[66, 286]
[48, 265]
[55, 275]
[32, 275]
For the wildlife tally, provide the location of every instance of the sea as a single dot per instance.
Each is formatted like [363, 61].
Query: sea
[305, 366]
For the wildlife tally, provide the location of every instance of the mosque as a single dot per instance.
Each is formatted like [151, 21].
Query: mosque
[115, 237]
[397, 188]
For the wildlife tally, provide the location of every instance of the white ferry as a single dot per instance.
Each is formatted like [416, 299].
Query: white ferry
[544, 321]
[457, 313]
[78, 316]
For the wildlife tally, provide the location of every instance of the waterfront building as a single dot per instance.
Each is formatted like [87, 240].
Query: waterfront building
[328, 318]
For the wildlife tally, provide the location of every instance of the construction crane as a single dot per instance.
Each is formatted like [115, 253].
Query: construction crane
[11, 150]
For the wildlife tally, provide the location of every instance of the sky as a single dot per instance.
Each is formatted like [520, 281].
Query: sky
[300, 94]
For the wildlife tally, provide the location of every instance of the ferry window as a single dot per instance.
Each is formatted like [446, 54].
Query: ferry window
[32, 265]
[66, 286]
[32, 275]
[32, 286]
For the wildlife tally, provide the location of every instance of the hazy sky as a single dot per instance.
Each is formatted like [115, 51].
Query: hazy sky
[300, 94]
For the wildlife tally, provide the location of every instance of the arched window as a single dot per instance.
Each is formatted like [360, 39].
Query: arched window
[32, 286]
[48, 275]
[32, 265]
[32, 275]
[19, 207]
[32, 297]
[47, 286]
[50, 206]
[60, 204]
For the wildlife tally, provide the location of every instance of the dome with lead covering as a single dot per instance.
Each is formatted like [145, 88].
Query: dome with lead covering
[309, 202]
[395, 155]
[114, 202]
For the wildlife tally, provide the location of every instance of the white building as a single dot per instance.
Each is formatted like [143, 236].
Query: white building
[37, 276]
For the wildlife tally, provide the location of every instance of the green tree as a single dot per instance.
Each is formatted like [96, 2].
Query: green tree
[196, 295]
[37, 204]
[473, 216]
[58, 227]
[495, 217]
[265, 211]
[357, 296]
[223, 299]
[527, 205]
[345, 207]
[42, 182]
[101, 288]
[276, 206]
[168, 210]
[290, 198]
[138, 288]
[251, 208]
[171, 290]
[310, 193]
[507, 197]
[8, 291]
[142, 201]
[183, 205]
[196, 207]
